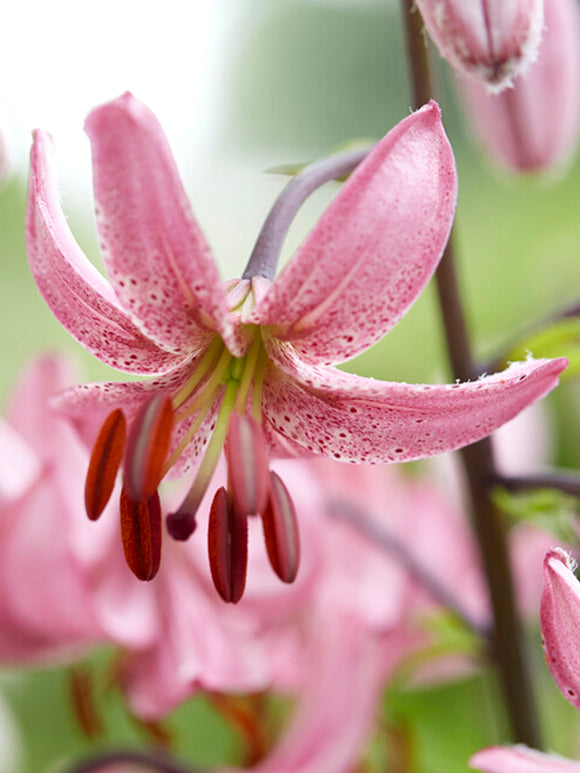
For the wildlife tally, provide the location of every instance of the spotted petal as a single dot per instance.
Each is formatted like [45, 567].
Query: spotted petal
[520, 759]
[156, 256]
[356, 419]
[373, 250]
[560, 621]
[77, 294]
[88, 405]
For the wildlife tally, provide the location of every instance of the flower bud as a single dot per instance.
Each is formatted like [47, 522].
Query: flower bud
[560, 621]
[492, 40]
[534, 125]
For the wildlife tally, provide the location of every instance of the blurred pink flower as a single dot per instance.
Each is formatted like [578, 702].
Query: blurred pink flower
[61, 580]
[534, 125]
[334, 638]
[491, 40]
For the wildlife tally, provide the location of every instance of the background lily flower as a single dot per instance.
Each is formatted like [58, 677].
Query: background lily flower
[534, 125]
[257, 347]
[492, 40]
[61, 579]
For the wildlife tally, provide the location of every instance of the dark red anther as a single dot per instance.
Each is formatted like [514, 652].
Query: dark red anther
[227, 540]
[281, 531]
[104, 464]
[147, 447]
[141, 534]
[248, 472]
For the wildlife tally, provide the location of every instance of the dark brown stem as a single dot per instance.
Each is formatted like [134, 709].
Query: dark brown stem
[567, 481]
[478, 462]
[158, 762]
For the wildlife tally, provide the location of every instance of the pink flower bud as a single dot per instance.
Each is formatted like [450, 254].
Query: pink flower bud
[534, 125]
[492, 40]
[560, 621]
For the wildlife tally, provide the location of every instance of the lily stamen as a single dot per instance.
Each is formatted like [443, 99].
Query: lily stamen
[104, 465]
[248, 374]
[202, 369]
[212, 385]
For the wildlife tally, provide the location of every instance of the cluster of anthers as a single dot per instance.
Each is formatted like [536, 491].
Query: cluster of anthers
[234, 384]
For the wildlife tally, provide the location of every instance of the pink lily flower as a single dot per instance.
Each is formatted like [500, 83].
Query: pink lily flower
[534, 126]
[490, 40]
[260, 349]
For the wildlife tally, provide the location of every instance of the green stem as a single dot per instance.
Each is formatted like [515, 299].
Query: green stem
[478, 462]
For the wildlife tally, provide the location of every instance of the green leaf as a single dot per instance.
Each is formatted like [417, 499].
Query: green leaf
[548, 508]
[560, 339]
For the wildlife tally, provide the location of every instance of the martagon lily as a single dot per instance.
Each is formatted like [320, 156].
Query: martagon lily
[249, 365]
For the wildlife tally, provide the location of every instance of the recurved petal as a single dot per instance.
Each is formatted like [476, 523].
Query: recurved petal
[157, 258]
[373, 250]
[80, 298]
[347, 417]
[520, 759]
[560, 621]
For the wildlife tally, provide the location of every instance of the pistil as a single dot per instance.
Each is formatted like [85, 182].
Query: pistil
[181, 524]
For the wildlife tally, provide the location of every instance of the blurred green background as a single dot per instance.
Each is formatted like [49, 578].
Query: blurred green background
[294, 79]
